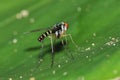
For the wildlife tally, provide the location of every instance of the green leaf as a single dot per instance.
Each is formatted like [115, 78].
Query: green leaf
[93, 24]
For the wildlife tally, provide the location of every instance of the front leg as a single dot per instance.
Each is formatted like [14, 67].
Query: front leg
[69, 35]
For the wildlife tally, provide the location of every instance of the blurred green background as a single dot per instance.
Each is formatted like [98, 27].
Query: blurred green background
[93, 24]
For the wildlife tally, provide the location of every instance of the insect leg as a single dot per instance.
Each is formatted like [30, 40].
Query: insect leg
[40, 57]
[52, 51]
[66, 47]
[52, 45]
[66, 39]
[41, 52]
[72, 40]
[42, 48]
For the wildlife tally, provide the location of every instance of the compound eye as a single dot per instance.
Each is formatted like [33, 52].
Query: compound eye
[66, 25]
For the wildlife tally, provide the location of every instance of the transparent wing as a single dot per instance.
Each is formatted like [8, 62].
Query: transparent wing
[36, 30]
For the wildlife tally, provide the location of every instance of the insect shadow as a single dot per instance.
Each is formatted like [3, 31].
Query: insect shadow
[58, 46]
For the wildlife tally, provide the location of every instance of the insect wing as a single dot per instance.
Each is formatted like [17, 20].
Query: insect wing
[36, 30]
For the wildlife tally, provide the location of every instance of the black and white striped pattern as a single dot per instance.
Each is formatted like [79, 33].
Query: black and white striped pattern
[44, 35]
[57, 30]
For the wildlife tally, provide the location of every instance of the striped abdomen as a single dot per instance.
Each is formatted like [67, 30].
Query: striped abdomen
[44, 35]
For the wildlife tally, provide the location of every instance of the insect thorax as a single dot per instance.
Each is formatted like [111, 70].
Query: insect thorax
[58, 30]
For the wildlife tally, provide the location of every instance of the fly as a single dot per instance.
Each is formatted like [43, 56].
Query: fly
[58, 31]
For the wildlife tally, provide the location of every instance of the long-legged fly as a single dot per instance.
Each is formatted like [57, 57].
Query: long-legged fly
[58, 31]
